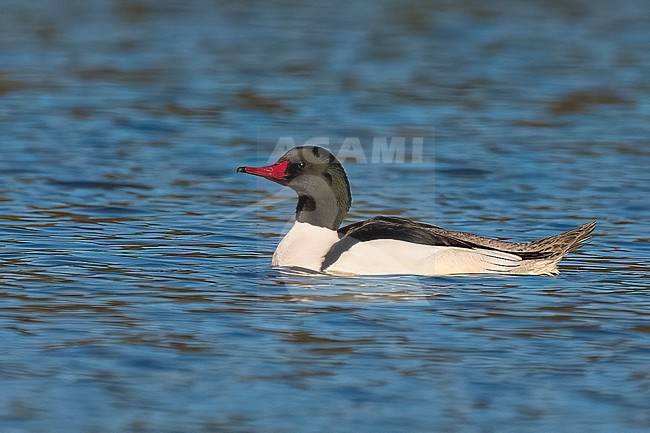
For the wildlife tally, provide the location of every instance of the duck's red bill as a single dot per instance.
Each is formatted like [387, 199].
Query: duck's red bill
[275, 171]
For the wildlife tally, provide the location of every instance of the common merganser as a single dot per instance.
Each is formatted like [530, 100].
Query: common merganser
[386, 245]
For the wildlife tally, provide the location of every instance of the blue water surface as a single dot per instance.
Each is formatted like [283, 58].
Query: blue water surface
[136, 288]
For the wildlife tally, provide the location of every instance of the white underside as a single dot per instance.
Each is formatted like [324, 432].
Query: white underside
[305, 246]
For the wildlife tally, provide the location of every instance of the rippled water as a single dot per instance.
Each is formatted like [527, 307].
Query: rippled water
[137, 293]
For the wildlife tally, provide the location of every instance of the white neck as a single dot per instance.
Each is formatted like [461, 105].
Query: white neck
[304, 246]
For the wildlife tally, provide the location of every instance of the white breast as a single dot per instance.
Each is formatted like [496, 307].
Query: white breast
[304, 246]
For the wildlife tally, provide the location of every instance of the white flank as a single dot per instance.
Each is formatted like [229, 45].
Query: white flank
[388, 256]
[306, 245]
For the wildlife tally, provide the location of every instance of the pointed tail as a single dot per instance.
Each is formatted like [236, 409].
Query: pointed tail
[561, 244]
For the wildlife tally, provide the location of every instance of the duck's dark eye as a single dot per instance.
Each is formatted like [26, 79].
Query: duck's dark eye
[302, 164]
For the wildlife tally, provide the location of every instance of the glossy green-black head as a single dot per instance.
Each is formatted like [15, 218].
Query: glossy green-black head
[319, 180]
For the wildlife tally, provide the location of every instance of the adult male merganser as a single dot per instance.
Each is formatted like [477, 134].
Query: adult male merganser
[390, 245]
